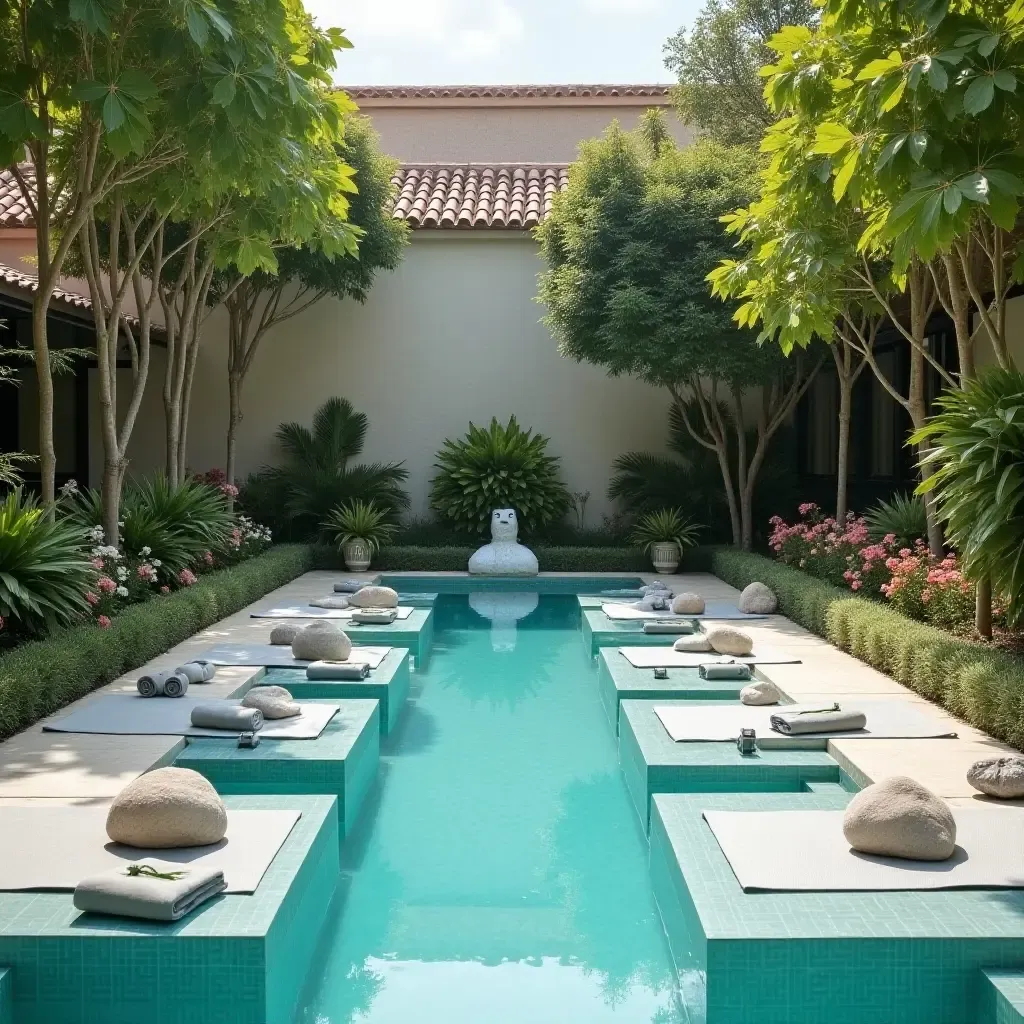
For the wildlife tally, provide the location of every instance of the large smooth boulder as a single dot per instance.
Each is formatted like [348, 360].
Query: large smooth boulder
[688, 604]
[757, 599]
[321, 641]
[726, 640]
[374, 597]
[697, 643]
[273, 701]
[899, 817]
[760, 693]
[283, 635]
[1001, 777]
[166, 809]
[333, 601]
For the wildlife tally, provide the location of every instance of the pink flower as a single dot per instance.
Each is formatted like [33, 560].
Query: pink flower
[1, 622]
[807, 508]
[855, 585]
[103, 622]
[186, 577]
[229, 490]
[92, 598]
[97, 563]
[165, 589]
[208, 558]
[146, 572]
[106, 584]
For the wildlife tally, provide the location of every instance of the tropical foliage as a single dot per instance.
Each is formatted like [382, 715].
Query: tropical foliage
[360, 520]
[903, 517]
[665, 526]
[500, 466]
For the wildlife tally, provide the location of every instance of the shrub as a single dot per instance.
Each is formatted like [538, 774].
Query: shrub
[44, 567]
[498, 467]
[904, 518]
[41, 677]
[358, 520]
[666, 525]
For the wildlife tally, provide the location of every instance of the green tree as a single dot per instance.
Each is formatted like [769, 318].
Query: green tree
[308, 273]
[628, 247]
[717, 64]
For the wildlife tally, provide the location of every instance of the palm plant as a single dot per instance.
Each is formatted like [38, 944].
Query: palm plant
[360, 521]
[10, 463]
[44, 566]
[665, 526]
[318, 476]
[904, 517]
[976, 470]
[500, 466]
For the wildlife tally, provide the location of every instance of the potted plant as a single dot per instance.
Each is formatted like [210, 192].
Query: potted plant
[359, 528]
[664, 534]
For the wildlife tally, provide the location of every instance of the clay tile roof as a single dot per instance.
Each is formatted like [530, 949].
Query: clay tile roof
[14, 211]
[511, 196]
[409, 92]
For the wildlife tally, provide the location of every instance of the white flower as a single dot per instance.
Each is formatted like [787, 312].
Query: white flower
[121, 591]
[122, 572]
[146, 551]
[156, 563]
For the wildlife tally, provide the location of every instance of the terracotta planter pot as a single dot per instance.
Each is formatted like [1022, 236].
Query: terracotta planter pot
[665, 557]
[357, 555]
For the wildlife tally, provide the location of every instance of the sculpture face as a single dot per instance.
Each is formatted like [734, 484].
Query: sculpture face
[504, 525]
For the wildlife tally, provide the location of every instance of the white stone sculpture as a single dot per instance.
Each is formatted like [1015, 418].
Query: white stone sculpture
[504, 556]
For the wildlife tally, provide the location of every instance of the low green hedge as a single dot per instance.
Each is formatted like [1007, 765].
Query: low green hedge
[981, 684]
[44, 676]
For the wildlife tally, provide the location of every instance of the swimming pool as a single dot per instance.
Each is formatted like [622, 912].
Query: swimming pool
[500, 873]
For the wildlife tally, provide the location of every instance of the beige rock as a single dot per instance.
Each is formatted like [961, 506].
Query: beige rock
[726, 640]
[166, 809]
[757, 599]
[321, 641]
[688, 604]
[696, 643]
[273, 701]
[760, 693]
[898, 817]
[1001, 777]
[335, 601]
[284, 634]
[374, 597]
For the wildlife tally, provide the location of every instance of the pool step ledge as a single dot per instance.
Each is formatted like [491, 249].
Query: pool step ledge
[1002, 999]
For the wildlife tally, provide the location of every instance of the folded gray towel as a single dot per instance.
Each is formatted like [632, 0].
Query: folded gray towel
[727, 670]
[162, 893]
[195, 671]
[337, 670]
[796, 723]
[374, 616]
[349, 586]
[162, 684]
[673, 627]
[219, 714]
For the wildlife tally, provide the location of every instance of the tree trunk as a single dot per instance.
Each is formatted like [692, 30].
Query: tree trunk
[110, 490]
[983, 607]
[843, 452]
[172, 418]
[234, 419]
[44, 378]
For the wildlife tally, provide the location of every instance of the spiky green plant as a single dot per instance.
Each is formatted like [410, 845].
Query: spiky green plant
[500, 466]
[664, 526]
[44, 566]
[360, 520]
[976, 469]
[904, 517]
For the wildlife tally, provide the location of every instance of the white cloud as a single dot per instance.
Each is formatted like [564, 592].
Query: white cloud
[623, 6]
[462, 29]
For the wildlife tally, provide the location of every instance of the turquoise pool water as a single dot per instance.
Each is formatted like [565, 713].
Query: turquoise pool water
[500, 874]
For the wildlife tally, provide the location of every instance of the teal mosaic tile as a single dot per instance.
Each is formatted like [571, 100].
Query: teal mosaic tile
[6, 995]
[618, 680]
[388, 684]
[341, 761]
[415, 633]
[801, 958]
[1002, 997]
[600, 631]
[545, 583]
[236, 960]
[652, 762]
[416, 600]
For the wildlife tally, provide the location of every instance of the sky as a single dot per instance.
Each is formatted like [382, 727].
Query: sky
[476, 42]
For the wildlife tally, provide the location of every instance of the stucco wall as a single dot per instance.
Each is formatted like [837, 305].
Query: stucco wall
[486, 134]
[452, 336]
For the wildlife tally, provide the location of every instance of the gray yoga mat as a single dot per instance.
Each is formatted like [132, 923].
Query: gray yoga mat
[305, 611]
[280, 656]
[886, 720]
[54, 846]
[128, 714]
[806, 851]
[721, 610]
[666, 657]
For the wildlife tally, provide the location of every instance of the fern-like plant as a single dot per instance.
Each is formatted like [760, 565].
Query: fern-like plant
[498, 467]
[904, 517]
[664, 526]
[44, 566]
[360, 520]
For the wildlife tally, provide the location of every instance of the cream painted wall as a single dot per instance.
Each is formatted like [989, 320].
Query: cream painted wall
[452, 336]
[486, 134]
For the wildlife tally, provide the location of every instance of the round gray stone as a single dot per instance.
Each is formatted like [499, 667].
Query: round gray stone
[760, 693]
[273, 701]
[688, 604]
[1001, 777]
[321, 641]
[284, 634]
[696, 643]
[726, 640]
[898, 817]
[757, 599]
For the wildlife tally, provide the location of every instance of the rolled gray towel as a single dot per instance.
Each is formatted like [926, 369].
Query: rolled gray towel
[374, 616]
[673, 627]
[796, 723]
[337, 670]
[222, 715]
[138, 890]
[209, 668]
[349, 586]
[152, 684]
[728, 670]
[176, 684]
[193, 671]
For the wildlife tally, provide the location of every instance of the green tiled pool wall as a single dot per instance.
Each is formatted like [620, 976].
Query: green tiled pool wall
[388, 684]
[600, 631]
[415, 633]
[6, 995]
[214, 966]
[1001, 998]
[457, 584]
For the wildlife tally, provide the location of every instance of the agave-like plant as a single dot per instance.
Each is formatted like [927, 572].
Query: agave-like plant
[664, 526]
[44, 566]
[976, 470]
[904, 517]
[500, 466]
[360, 520]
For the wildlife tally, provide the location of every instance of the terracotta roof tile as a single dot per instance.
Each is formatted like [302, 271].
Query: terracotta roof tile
[511, 196]
[366, 92]
[14, 211]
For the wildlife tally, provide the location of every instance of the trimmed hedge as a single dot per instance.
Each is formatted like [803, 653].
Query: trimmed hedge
[980, 684]
[41, 677]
